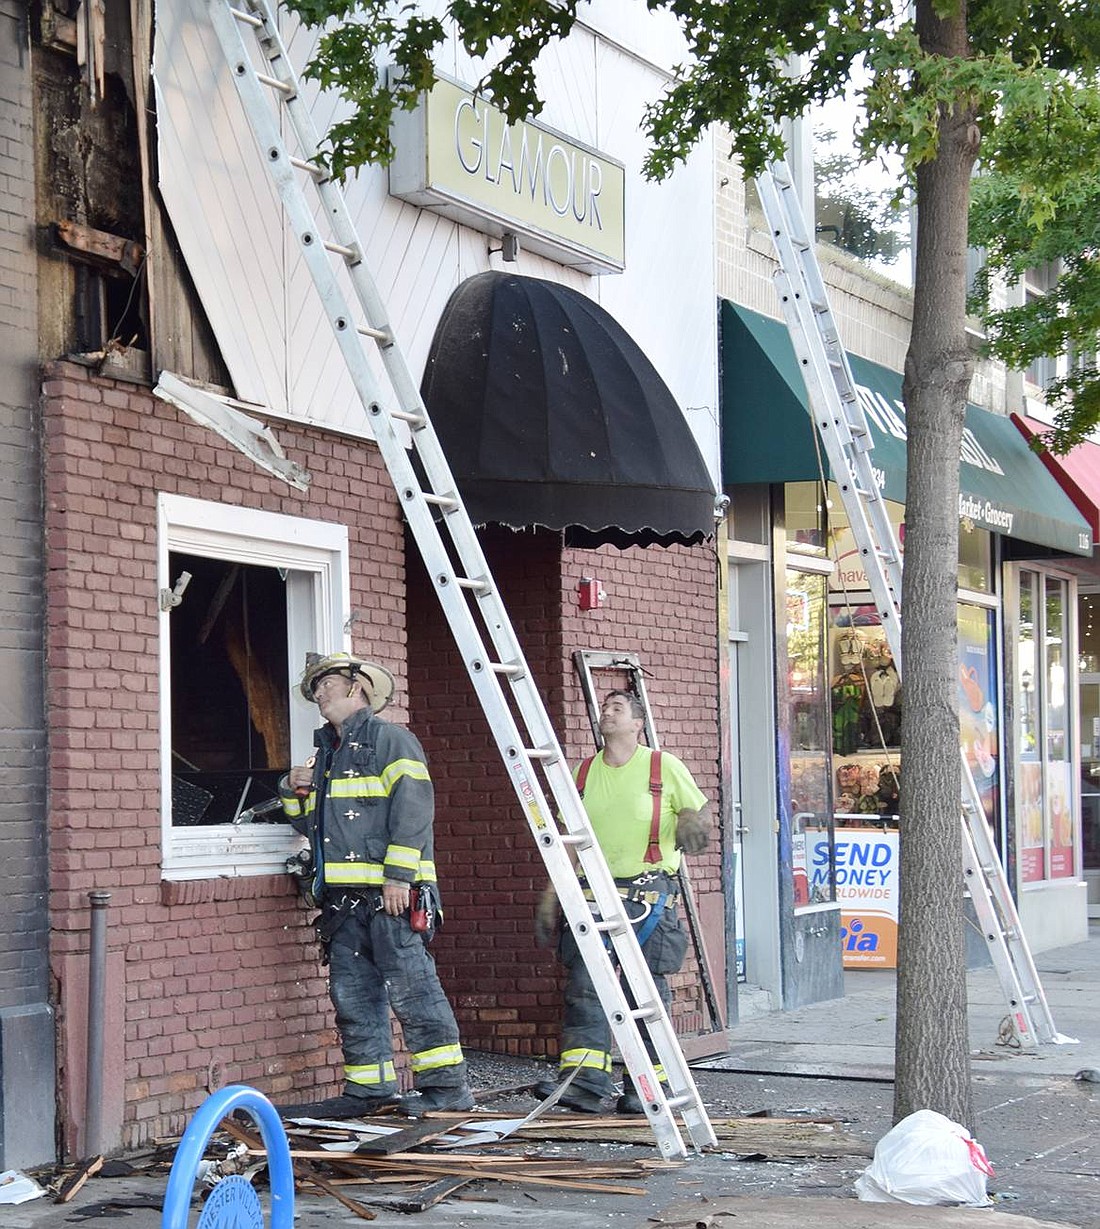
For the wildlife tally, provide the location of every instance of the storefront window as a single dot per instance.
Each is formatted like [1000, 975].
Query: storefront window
[812, 856]
[975, 559]
[1047, 828]
[804, 515]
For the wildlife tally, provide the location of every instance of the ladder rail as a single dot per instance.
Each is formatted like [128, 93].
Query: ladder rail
[601, 928]
[841, 424]
[1001, 926]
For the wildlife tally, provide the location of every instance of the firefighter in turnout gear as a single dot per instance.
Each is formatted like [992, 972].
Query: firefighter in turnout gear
[645, 808]
[366, 804]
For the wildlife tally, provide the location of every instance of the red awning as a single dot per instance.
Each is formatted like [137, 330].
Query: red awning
[1078, 472]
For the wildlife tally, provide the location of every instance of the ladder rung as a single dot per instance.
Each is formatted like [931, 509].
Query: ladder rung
[310, 168]
[578, 840]
[384, 335]
[616, 926]
[411, 417]
[542, 753]
[674, 1103]
[442, 501]
[342, 249]
[509, 669]
[282, 86]
[249, 19]
[645, 1013]
[476, 586]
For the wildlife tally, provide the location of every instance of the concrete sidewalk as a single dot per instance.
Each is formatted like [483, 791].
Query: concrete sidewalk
[833, 1059]
[856, 1033]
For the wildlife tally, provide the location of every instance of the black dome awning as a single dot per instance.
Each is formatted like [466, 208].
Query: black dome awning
[550, 414]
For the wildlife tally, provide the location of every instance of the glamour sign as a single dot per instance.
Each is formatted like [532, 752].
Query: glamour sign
[459, 156]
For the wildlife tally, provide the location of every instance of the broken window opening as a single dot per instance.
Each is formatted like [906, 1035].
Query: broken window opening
[230, 707]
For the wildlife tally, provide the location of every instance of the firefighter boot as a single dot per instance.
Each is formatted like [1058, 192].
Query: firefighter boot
[629, 1102]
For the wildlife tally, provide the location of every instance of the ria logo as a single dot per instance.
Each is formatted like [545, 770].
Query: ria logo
[856, 938]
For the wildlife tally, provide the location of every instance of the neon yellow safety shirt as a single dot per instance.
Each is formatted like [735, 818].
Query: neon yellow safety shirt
[620, 809]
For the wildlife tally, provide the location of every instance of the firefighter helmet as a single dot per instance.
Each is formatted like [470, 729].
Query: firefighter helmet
[378, 679]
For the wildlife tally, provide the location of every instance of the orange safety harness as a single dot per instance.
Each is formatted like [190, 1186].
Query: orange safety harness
[653, 851]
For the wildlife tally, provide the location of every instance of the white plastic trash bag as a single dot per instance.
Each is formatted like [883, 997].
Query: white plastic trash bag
[926, 1159]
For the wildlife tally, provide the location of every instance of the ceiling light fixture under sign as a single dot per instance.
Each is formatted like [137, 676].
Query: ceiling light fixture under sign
[591, 594]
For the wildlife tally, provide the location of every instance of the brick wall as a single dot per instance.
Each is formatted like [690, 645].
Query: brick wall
[214, 980]
[661, 604]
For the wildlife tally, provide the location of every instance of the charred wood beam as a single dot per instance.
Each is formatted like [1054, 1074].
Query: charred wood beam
[56, 30]
[109, 253]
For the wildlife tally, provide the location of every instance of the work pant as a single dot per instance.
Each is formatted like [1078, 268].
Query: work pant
[378, 963]
[586, 1034]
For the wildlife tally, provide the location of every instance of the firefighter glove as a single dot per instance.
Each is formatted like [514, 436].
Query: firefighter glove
[692, 830]
[547, 917]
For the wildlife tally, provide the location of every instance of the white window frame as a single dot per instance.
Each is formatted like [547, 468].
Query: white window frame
[315, 556]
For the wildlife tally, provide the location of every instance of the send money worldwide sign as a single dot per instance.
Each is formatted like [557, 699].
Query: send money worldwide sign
[867, 888]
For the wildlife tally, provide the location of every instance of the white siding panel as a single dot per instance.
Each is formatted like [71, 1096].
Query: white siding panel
[667, 296]
[224, 212]
[260, 299]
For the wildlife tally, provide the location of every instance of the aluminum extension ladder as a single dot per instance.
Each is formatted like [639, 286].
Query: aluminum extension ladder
[471, 601]
[842, 426]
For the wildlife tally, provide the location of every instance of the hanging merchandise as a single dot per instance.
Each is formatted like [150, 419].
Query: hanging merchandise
[848, 692]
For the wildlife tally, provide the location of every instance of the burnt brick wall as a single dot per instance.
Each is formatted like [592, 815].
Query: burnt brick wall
[661, 604]
[214, 980]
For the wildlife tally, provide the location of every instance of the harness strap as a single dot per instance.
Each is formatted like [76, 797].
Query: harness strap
[653, 853]
[653, 850]
[582, 774]
[650, 923]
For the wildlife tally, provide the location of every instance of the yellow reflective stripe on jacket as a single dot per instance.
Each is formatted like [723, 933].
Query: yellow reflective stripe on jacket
[367, 874]
[371, 874]
[380, 786]
[432, 1060]
[295, 807]
[403, 856]
[368, 1074]
[599, 1060]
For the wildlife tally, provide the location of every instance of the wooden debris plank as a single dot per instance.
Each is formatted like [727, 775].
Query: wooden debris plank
[430, 1164]
[308, 1173]
[432, 1194]
[84, 1170]
[498, 1175]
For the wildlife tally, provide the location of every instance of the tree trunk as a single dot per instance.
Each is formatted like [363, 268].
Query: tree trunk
[932, 1063]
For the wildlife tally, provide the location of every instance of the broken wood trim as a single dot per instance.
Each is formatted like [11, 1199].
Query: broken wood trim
[99, 248]
[125, 363]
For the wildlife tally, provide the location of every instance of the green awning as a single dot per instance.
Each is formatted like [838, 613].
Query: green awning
[768, 436]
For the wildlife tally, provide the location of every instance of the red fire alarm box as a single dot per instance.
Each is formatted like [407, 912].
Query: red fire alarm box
[590, 593]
